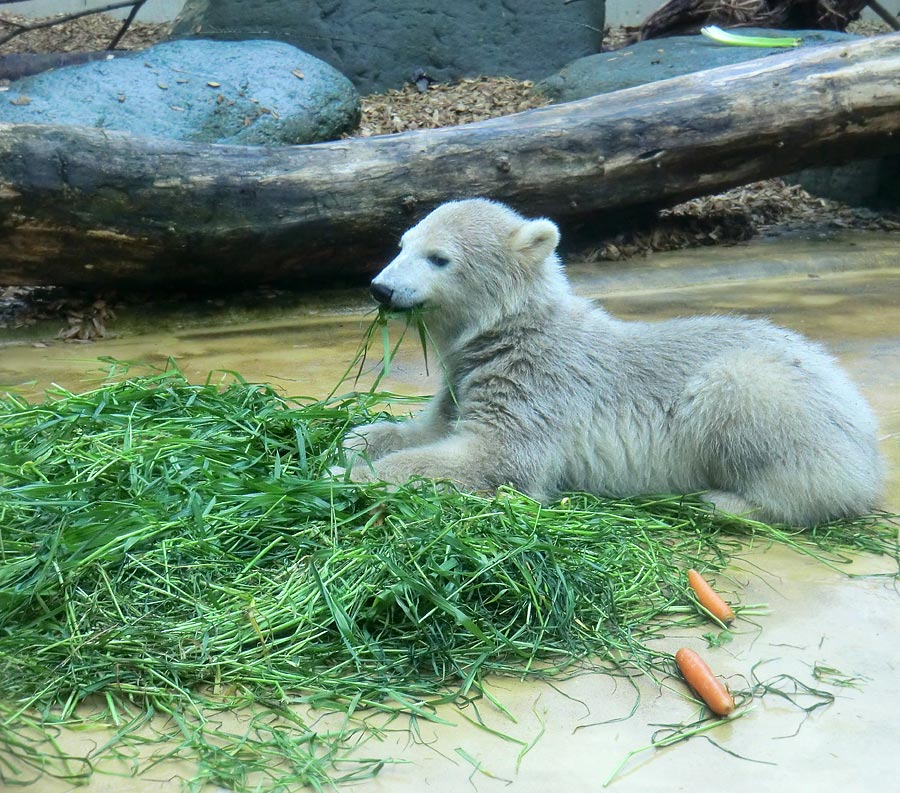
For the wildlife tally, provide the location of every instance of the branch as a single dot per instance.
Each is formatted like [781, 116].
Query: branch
[886, 15]
[126, 24]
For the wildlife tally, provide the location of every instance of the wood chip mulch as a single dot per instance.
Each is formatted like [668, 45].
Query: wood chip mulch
[86, 34]
[765, 208]
[445, 105]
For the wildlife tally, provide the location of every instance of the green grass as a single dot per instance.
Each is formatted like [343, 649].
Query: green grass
[171, 551]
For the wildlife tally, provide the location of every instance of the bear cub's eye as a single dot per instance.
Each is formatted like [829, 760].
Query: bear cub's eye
[438, 260]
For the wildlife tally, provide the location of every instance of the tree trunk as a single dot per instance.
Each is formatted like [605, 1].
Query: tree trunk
[91, 206]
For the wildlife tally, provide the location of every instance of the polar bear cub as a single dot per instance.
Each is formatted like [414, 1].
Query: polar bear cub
[547, 392]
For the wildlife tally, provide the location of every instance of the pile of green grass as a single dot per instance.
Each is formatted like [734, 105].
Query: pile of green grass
[174, 550]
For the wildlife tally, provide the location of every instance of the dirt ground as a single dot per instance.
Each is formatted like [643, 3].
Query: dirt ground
[767, 208]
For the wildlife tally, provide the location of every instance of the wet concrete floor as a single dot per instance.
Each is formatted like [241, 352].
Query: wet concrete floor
[844, 292]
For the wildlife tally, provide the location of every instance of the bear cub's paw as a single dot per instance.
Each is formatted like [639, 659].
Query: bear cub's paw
[373, 440]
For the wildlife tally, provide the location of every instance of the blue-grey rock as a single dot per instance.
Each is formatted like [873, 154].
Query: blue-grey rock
[248, 92]
[380, 44]
[660, 59]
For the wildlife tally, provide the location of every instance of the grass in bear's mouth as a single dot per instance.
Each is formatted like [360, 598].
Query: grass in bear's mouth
[169, 551]
[379, 327]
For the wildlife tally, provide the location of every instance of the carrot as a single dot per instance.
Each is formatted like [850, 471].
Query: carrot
[709, 599]
[705, 684]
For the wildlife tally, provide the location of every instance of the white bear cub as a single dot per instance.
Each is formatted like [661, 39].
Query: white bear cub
[547, 392]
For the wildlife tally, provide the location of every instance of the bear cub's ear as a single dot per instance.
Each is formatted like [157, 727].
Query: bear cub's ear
[535, 239]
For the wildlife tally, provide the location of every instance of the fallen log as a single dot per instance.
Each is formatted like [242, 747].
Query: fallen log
[91, 206]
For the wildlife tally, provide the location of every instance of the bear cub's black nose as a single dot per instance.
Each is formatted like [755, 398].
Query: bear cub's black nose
[381, 293]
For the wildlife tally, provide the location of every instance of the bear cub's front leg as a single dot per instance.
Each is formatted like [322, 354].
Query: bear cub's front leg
[382, 438]
[460, 458]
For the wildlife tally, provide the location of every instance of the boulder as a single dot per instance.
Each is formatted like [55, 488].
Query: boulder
[660, 59]
[870, 183]
[249, 92]
[380, 45]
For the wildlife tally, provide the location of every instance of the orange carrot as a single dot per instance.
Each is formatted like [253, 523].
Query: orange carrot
[705, 684]
[709, 599]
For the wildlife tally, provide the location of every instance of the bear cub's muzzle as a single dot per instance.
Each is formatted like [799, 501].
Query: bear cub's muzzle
[381, 293]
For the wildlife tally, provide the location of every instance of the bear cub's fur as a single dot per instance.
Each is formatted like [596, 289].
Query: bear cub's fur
[547, 392]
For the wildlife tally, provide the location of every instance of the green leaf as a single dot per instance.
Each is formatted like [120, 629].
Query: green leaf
[735, 40]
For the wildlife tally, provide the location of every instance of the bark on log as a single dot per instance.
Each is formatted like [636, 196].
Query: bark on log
[88, 206]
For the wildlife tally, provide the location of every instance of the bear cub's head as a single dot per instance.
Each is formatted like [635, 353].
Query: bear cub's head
[473, 257]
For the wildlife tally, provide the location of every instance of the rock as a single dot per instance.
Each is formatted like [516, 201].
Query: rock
[249, 92]
[659, 59]
[868, 183]
[855, 183]
[381, 45]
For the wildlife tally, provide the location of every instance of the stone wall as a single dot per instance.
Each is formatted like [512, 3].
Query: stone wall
[380, 44]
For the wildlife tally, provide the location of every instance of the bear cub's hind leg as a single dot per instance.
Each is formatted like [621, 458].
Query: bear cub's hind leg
[731, 504]
[783, 436]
